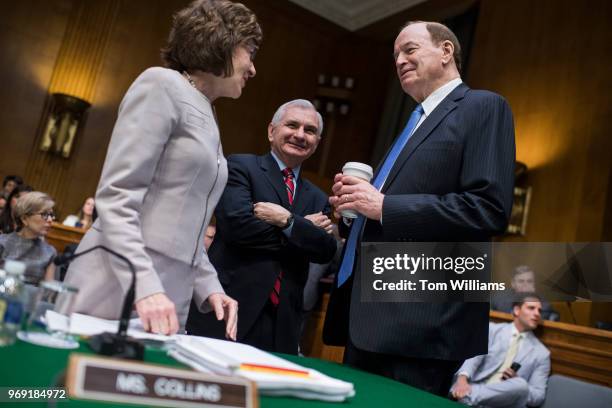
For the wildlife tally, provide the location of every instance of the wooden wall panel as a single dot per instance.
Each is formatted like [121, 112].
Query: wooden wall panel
[550, 60]
[297, 47]
[31, 33]
[75, 73]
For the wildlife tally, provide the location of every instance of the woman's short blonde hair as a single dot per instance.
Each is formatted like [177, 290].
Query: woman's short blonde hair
[31, 203]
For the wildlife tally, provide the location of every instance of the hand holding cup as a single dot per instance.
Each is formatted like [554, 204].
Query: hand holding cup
[353, 193]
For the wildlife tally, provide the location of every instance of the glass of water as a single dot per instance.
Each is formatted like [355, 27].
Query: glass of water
[49, 322]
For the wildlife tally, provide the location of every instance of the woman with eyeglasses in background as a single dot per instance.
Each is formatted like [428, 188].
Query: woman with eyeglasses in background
[33, 214]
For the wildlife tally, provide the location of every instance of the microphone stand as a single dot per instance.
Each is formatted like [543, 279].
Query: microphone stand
[114, 344]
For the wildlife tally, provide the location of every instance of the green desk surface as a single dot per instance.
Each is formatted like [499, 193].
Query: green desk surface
[26, 365]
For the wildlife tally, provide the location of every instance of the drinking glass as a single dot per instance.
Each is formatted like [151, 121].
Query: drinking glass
[54, 301]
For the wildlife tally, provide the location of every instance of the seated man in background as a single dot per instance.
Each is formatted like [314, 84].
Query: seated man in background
[523, 281]
[515, 371]
[271, 224]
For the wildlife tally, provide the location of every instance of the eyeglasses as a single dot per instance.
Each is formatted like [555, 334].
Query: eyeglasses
[47, 215]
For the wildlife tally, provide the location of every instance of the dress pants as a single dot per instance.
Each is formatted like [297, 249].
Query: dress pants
[434, 376]
[263, 332]
[511, 393]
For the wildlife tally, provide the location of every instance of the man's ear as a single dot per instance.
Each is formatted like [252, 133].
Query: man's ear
[448, 50]
[270, 129]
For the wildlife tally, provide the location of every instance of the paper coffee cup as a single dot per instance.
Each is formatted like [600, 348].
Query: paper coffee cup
[359, 170]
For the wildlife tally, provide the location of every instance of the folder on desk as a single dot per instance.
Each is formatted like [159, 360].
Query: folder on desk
[273, 375]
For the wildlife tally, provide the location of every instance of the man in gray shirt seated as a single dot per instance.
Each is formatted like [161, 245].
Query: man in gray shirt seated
[515, 371]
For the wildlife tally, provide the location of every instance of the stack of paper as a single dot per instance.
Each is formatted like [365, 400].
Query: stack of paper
[85, 325]
[273, 375]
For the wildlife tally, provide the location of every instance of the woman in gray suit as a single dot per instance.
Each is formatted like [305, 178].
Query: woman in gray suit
[164, 173]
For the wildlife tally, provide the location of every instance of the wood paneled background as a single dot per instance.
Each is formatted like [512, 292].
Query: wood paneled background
[549, 58]
[297, 47]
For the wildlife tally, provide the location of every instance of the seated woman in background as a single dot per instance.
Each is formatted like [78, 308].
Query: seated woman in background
[7, 222]
[85, 217]
[33, 214]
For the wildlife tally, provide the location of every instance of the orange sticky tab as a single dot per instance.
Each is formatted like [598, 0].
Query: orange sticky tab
[274, 370]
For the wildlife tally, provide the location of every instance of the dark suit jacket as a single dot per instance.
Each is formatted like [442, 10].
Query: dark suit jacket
[452, 182]
[249, 253]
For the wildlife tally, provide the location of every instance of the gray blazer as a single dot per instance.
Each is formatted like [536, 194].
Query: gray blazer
[162, 178]
[533, 356]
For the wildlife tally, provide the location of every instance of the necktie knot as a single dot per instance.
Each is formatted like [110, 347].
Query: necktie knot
[288, 173]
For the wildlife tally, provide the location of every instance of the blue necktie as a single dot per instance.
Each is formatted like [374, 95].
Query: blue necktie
[346, 267]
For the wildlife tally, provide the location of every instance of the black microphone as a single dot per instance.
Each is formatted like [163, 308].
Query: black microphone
[113, 344]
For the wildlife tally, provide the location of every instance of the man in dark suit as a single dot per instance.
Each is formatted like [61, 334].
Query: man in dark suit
[271, 223]
[448, 177]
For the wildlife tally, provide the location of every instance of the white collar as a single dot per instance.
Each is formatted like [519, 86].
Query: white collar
[515, 332]
[433, 100]
[282, 166]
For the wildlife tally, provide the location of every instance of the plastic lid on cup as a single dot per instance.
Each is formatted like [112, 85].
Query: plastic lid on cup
[366, 168]
[14, 267]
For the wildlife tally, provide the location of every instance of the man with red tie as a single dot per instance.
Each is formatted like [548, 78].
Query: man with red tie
[271, 223]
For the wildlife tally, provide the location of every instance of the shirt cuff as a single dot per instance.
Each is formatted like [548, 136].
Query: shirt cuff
[287, 230]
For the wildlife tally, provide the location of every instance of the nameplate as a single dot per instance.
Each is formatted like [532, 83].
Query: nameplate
[107, 379]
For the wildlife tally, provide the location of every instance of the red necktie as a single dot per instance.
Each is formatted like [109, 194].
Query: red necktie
[290, 187]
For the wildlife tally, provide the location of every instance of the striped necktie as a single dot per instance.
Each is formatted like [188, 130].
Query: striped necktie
[288, 177]
[346, 267]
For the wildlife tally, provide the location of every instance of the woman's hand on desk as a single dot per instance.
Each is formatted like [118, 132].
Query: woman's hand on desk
[225, 308]
[158, 314]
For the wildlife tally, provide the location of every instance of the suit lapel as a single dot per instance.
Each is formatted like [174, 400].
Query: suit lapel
[525, 349]
[275, 178]
[420, 135]
[498, 359]
[301, 196]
